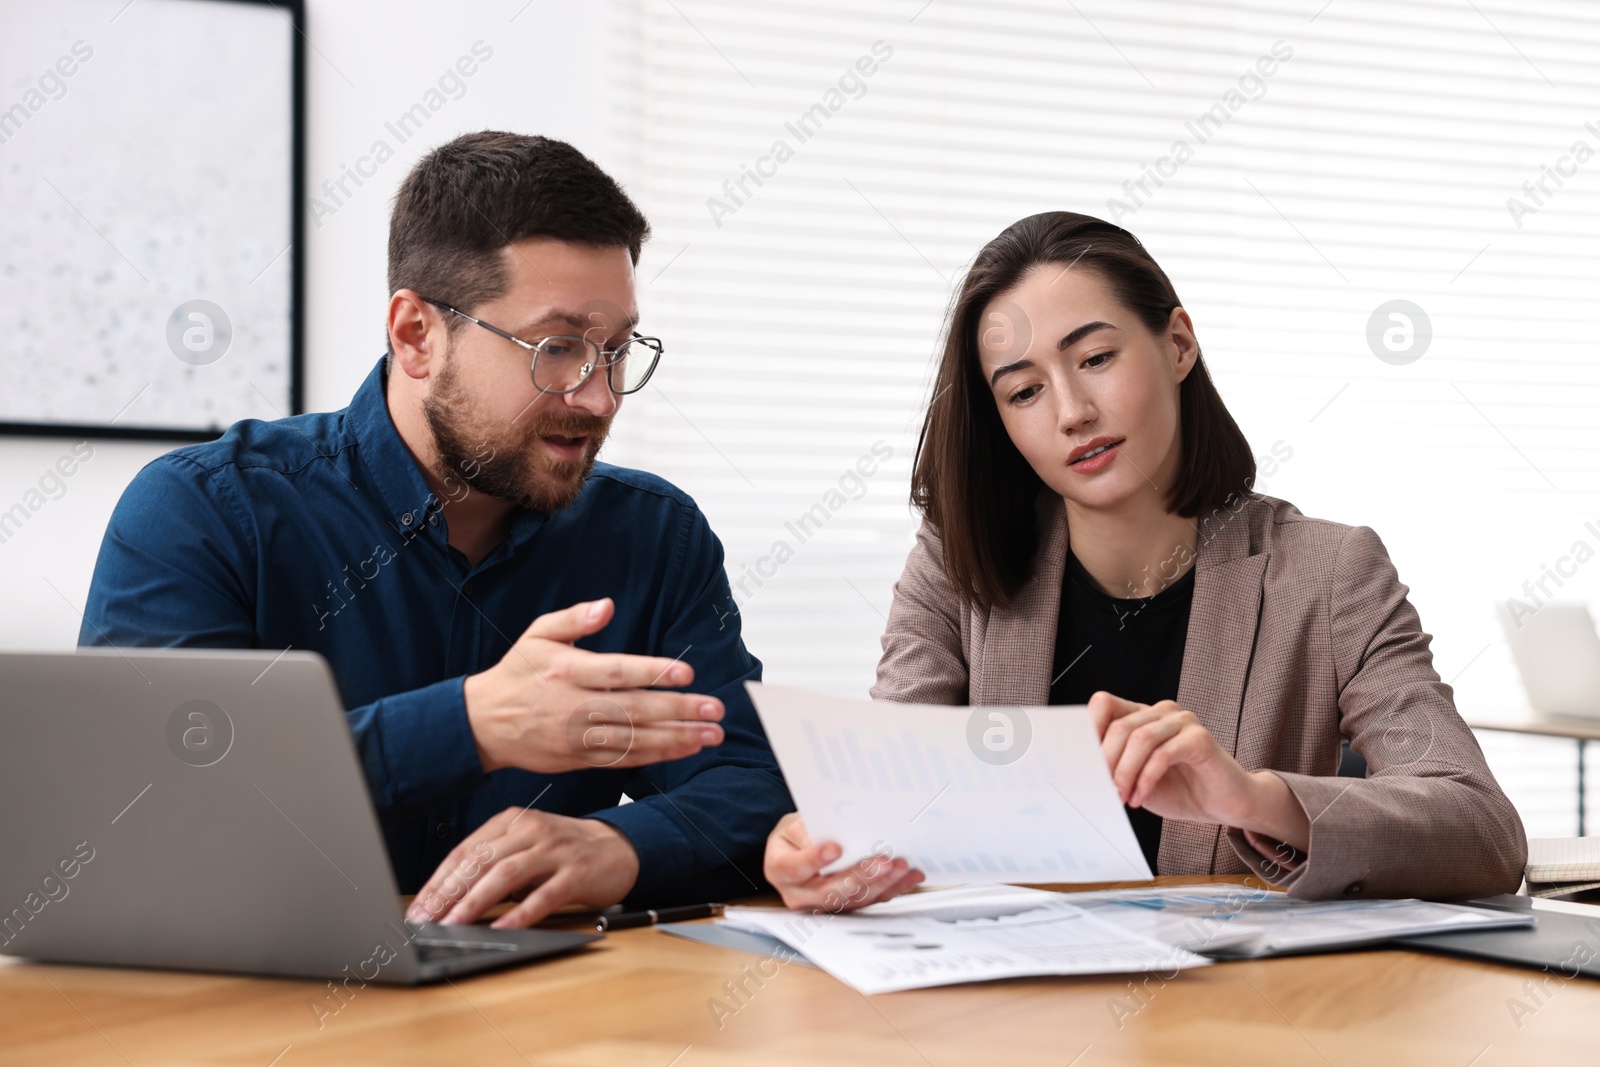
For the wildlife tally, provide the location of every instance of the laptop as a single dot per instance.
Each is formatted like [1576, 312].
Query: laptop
[1558, 656]
[206, 810]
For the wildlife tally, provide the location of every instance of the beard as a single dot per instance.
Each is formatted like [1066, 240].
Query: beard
[509, 465]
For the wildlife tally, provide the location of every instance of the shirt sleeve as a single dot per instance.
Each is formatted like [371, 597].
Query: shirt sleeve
[178, 569]
[1429, 820]
[700, 824]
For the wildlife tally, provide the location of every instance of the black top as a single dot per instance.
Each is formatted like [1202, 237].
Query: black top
[1131, 648]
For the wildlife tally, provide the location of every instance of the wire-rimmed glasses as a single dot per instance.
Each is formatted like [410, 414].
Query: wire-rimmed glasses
[563, 362]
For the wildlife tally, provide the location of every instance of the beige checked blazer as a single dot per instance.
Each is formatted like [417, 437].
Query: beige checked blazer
[1300, 633]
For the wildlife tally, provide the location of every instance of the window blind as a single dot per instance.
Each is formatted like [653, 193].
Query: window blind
[819, 174]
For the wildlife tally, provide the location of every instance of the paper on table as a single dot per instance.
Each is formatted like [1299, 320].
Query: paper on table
[1233, 921]
[723, 935]
[966, 934]
[985, 794]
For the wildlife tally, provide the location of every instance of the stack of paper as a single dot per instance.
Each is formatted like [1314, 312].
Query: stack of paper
[980, 933]
[966, 934]
[990, 795]
[1226, 921]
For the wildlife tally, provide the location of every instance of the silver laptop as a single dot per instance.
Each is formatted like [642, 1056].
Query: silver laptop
[1558, 655]
[206, 811]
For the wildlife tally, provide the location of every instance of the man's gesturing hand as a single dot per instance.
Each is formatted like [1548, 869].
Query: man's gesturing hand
[1162, 759]
[550, 707]
[553, 859]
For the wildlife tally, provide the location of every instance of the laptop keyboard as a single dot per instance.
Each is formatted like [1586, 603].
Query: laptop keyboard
[431, 946]
[433, 951]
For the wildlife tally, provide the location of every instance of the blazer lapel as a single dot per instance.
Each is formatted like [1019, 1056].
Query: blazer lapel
[1018, 648]
[1222, 625]
[1019, 645]
[1223, 618]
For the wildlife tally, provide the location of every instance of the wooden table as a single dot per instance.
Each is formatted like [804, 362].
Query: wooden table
[641, 998]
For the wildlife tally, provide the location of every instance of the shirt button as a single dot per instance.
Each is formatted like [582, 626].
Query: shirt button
[1355, 889]
[407, 519]
[441, 831]
[433, 519]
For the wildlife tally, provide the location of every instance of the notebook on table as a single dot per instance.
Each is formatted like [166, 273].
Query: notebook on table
[1562, 866]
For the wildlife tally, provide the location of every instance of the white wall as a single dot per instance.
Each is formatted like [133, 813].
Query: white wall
[45, 566]
[368, 63]
[553, 71]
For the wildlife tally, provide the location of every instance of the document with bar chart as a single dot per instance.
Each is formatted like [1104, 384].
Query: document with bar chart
[966, 794]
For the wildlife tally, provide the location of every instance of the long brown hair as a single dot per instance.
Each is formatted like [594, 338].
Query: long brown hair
[970, 482]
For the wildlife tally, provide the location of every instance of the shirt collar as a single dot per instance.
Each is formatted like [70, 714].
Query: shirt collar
[394, 470]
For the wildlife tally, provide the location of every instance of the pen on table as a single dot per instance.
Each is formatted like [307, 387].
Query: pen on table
[650, 916]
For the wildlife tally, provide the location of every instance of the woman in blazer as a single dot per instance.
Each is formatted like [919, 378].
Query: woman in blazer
[1090, 536]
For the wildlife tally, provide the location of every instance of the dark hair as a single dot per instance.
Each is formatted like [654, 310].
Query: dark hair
[466, 200]
[970, 482]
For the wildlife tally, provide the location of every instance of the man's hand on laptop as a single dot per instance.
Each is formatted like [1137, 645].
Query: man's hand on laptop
[549, 707]
[554, 859]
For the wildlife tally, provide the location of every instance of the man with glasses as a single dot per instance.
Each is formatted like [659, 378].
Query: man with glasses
[523, 636]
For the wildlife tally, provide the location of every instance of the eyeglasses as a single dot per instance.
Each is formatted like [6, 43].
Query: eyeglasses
[562, 363]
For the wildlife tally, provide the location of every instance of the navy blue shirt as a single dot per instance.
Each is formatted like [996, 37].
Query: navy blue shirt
[319, 532]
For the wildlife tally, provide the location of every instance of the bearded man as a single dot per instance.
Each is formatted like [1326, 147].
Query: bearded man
[525, 638]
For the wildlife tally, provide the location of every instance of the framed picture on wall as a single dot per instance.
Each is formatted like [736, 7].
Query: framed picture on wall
[151, 170]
